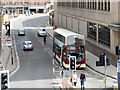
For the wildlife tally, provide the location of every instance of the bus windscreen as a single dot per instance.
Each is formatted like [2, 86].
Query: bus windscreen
[75, 40]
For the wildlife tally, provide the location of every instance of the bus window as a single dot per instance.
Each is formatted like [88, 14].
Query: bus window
[58, 49]
[79, 53]
[75, 40]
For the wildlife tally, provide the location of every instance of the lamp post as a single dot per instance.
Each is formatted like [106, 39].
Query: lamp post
[11, 55]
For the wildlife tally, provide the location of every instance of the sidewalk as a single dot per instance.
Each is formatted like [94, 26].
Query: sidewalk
[6, 61]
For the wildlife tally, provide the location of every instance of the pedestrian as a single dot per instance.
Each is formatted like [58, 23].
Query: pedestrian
[82, 79]
[74, 78]
[5, 24]
[62, 73]
[44, 39]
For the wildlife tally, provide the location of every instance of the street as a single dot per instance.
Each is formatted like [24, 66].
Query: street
[36, 64]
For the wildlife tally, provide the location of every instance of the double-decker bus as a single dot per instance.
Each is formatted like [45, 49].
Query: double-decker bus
[67, 43]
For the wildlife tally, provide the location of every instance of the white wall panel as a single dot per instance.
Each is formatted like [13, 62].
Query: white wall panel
[75, 25]
[64, 21]
[69, 26]
[59, 21]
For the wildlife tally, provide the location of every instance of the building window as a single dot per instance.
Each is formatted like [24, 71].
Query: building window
[105, 5]
[109, 5]
[59, 3]
[68, 4]
[63, 4]
[88, 6]
[95, 5]
[74, 4]
[98, 5]
[91, 30]
[84, 4]
[79, 4]
[104, 35]
[101, 5]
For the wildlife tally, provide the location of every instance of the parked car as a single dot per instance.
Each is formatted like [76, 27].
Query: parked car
[21, 32]
[41, 31]
[27, 45]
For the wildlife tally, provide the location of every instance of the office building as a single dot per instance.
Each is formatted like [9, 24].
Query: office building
[97, 20]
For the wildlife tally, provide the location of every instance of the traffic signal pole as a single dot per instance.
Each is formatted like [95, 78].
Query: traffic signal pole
[105, 69]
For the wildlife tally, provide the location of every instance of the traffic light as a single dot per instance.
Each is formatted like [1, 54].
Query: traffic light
[4, 79]
[72, 62]
[101, 61]
[117, 50]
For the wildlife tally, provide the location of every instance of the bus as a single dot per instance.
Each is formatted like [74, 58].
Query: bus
[67, 43]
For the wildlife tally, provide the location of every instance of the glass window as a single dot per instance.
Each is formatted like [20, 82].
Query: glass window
[99, 5]
[68, 4]
[74, 4]
[105, 3]
[75, 40]
[59, 3]
[88, 5]
[59, 37]
[78, 52]
[92, 27]
[104, 35]
[95, 5]
[109, 5]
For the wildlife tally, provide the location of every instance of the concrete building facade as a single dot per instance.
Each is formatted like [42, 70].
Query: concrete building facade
[97, 20]
[26, 6]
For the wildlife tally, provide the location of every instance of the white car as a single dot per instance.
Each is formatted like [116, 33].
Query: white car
[41, 31]
[21, 32]
[27, 45]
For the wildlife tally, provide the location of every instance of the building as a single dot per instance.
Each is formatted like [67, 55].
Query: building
[97, 20]
[25, 6]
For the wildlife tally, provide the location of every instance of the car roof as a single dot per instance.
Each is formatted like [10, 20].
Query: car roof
[28, 42]
[21, 29]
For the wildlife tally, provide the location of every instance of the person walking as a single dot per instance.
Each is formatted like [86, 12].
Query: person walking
[74, 78]
[62, 73]
[82, 79]
[44, 39]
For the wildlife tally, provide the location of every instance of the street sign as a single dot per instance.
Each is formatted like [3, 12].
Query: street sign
[7, 41]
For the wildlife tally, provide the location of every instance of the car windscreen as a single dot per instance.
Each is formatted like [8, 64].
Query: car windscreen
[43, 29]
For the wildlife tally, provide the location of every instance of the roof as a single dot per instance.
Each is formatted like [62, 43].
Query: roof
[28, 42]
[66, 33]
[21, 29]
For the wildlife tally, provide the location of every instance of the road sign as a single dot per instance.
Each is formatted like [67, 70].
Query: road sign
[4, 40]
[9, 42]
